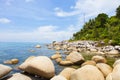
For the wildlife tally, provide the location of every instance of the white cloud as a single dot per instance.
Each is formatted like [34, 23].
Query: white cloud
[87, 9]
[90, 8]
[61, 13]
[42, 34]
[4, 20]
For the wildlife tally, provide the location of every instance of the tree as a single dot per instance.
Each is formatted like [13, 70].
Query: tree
[118, 12]
[101, 19]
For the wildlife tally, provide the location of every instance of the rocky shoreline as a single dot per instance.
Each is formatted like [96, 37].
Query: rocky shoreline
[42, 67]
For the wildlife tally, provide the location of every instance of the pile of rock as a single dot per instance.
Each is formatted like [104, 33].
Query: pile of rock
[86, 46]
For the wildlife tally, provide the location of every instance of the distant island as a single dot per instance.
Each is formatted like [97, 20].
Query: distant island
[101, 28]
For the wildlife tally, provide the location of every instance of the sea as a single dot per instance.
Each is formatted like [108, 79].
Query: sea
[22, 50]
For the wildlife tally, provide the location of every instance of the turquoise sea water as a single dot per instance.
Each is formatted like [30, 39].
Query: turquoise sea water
[21, 51]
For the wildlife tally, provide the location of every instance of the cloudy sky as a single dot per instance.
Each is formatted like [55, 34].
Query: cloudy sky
[48, 20]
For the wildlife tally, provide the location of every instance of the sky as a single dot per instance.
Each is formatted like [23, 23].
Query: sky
[48, 20]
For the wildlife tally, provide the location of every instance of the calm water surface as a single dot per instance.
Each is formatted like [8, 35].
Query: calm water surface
[21, 51]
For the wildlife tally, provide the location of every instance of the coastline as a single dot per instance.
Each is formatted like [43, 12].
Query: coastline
[85, 50]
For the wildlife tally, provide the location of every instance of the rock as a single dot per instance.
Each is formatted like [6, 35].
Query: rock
[65, 63]
[12, 61]
[75, 58]
[18, 76]
[38, 46]
[116, 62]
[4, 70]
[7, 62]
[55, 56]
[89, 63]
[24, 65]
[67, 72]
[58, 60]
[59, 77]
[29, 58]
[109, 77]
[40, 65]
[104, 68]
[99, 59]
[57, 48]
[87, 72]
[113, 52]
[93, 50]
[64, 47]
[116, 73]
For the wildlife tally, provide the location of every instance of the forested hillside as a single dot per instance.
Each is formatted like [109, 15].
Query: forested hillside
[101, 28]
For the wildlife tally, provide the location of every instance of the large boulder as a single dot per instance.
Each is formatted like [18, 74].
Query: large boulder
[75, 58]
[89, 63]
[109, 76]
[99, 59]
[40, 65]
[87, 72]
[117, 62]
[59, 77]
[24, 65]
[67, 72]
[65, 63]
[116, 73]
[18, 76]
[104, 68]
[4, 70]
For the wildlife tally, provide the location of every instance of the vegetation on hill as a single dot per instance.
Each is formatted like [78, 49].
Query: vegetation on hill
[102, 27]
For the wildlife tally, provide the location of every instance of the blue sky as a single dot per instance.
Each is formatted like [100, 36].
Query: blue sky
[48, 20]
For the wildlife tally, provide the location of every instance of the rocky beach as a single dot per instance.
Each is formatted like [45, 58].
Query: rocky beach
[79, 59]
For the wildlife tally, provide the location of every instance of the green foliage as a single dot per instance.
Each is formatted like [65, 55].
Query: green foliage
[118, 12]
[101, 28]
